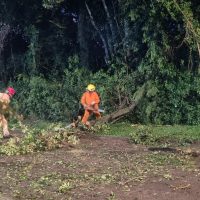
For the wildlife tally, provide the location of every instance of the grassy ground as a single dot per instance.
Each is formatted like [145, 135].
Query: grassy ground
[41, 135]
[152, 134]
[97, 166]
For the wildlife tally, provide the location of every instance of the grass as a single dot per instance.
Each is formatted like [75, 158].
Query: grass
[152, 134]
[42, 135]
[118, 129]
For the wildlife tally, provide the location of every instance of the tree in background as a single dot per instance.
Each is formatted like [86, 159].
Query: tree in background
[128, 44]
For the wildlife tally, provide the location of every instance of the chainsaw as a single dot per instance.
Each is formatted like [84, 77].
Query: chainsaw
[78, 118]
[92, 109]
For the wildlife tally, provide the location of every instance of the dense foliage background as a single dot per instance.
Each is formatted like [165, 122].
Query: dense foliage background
[51, 49]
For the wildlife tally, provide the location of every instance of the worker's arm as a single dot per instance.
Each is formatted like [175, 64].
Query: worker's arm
[83, 100]
[96, 99]
[95, 103]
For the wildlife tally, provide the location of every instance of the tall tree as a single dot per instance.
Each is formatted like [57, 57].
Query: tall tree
[83, 35]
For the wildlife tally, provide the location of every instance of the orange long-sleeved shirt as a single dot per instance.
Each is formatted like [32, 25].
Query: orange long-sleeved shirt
[90, 97]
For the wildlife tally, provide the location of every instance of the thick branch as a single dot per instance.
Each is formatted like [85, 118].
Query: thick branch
[117, 114]
[138, 95]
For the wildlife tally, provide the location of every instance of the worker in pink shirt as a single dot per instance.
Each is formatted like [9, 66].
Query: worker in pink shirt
[5, 99]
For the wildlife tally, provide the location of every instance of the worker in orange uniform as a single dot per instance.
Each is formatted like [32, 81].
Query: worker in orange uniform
[90, 101]
[5, 98]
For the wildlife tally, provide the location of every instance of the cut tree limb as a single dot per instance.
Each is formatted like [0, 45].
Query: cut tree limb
[115, 116]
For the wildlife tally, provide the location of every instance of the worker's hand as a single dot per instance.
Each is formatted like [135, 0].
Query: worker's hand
[86, 107]
[90, 108]
[92, 103]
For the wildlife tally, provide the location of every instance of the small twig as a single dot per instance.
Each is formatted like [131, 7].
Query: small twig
[180, 187]
[57, 25]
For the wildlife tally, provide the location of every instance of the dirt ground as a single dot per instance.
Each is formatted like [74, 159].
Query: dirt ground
[100, 168]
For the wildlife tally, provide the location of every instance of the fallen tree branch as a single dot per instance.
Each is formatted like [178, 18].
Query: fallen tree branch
[115, 116]
[122, 112]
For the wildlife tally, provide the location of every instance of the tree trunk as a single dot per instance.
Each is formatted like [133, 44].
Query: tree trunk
[4, 31]
[82, 37]
[110, 21]
[109, 40]
[198, 47]
[107, 57]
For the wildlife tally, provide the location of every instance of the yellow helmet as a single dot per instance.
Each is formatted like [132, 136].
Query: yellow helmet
[91, 87]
